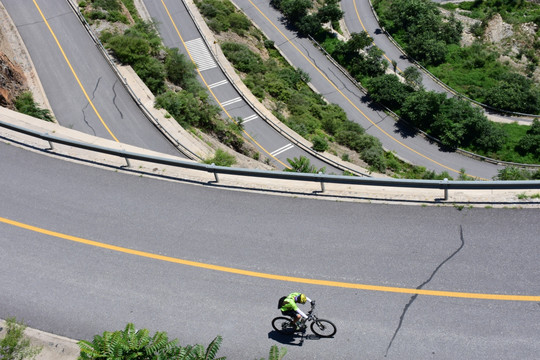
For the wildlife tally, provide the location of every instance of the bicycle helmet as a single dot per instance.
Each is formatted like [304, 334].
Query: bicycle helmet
[301, 299]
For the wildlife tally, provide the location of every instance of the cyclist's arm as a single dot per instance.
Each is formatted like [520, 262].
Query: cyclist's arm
[298, 311]
[308, 299]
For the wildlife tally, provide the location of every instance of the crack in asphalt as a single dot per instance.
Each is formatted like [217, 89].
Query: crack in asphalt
[88, 103]
[413, 298]
[114, 100]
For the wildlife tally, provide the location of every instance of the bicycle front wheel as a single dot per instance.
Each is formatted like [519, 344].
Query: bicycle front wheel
[323, 328]
[284, 325]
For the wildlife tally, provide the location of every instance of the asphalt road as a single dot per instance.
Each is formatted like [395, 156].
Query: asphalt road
[336, 88]
[116, 115]
[359, 17]
[177, 29]
[78, 290]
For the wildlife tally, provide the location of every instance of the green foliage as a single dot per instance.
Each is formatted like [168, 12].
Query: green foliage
[242, 57]
[108, 5]
[25, 104]
[276, 353]
[530, 143]
[319, 143]
[514, 92]
[222, 16]
[152, 72]
[139, 345]
[14, 346]
[189, 109]
[181, 71]
[413, 77]
[303, 165]
[297, 13]
[221, 158]
[110, 10]
[388, 90]
[515, 173]
[455, 122]
[420, 27]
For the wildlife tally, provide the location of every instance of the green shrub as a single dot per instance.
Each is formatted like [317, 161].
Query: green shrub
[129, 49]
[181, 71]
[319, 143]
[189, 109]
[108, 5]
[221, 158]
[25, 104]
[242, 57]
[152, 72]
[303, 165]
[14, 345]
[388, 90]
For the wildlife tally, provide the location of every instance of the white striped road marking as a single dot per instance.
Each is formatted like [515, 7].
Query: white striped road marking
[282, 149]
[232, 101]
[219, 83]
[249, 118]
[200, 54]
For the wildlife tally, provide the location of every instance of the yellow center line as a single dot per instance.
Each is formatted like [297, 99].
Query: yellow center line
[255, 274]
[363, 27]
[73, 71]
[210, 90]
[350, 101]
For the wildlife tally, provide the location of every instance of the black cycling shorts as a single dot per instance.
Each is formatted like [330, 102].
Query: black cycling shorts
[290, 313]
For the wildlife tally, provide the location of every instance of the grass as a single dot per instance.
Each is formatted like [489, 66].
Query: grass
[508, 153]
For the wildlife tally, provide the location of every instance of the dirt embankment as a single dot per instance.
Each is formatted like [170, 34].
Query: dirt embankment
[12, 80]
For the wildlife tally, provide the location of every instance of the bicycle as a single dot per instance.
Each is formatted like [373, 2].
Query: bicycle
[321, 327]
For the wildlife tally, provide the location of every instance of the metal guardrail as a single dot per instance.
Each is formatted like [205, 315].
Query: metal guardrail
[444, 185]
[283, 131]
[398, 118]
[183, 149]
[439, 81]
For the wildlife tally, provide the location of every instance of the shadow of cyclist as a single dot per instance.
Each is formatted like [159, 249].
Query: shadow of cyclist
[296, 339]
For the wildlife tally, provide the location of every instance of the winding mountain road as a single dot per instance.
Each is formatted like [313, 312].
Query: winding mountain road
[86, 250]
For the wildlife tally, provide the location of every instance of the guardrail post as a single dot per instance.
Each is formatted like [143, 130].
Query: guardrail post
[445, 188]
[322, 183]
[50, 144]
[215, 173]
[128, 164]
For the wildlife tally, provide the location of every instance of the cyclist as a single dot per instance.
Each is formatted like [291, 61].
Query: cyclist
[289, 308]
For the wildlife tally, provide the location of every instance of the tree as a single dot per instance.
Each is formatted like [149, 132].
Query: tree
[413, 77]
[530, 143]
[330, 12]
[514, 92]
[358, 41]
[421, 107]
[294, 10]
[180, 71]
[14, 346]
[308, 24]
[388, 90]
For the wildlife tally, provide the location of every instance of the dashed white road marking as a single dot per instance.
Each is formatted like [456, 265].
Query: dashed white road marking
[219, 83]
[282, 149]
[249, 118]
[200, 54]
[232, 101]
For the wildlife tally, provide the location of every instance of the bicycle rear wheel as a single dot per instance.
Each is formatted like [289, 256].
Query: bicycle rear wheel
[323, 328]
[284, 325]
